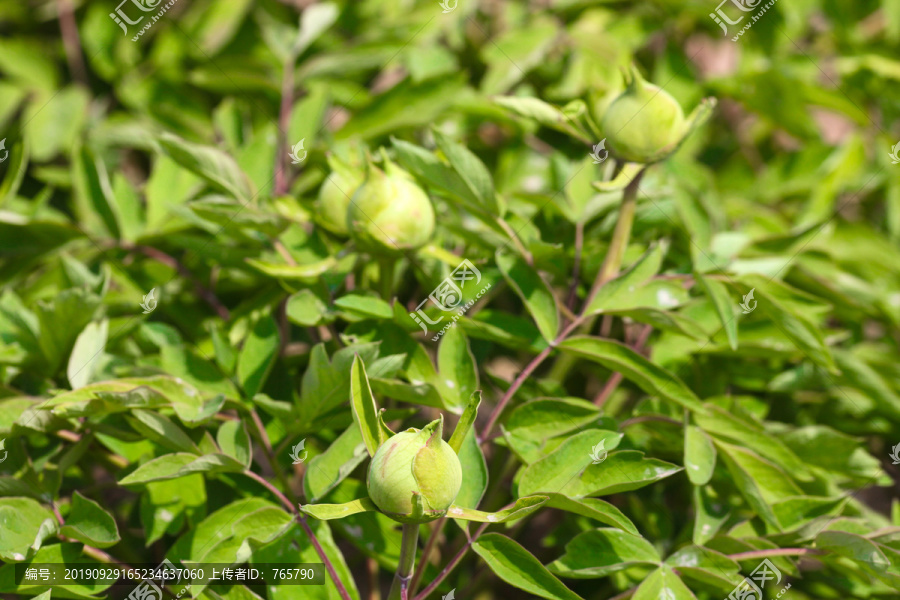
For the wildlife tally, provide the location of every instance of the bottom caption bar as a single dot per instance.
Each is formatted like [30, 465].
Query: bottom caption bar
[152, 578]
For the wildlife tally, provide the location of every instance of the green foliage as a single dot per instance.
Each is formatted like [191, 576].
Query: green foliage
[653, 374]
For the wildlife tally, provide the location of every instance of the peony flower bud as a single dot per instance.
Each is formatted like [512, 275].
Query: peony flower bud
[644, 124]
[415, 463]
[334, 197]
[390, 213]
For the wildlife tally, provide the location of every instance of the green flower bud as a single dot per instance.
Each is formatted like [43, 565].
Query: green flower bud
[334, 198]
[415, 476]
[644, 124]
[390, 214]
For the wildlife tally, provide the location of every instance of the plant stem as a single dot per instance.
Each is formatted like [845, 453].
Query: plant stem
[262, 481]
[324, 558]
[451, 565]
[608, 270]
[284, 118]
[400, 587]
[386, 277]
[576, 267]
[426, 553]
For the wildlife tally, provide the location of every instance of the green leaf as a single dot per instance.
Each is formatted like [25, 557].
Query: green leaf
[363, 406]
[599, 552]
[161, 430]
[181, 464]
[593, 508]
[760, 481]
[88, 346]
[663, 583]
[710, 511]
[855, 547]
[622, 471]
[544, 113]
[326, 512]
[558, 471]
[516, 566]
[522, 508]
[25, 525]
[456, 367]
[624, 286]
[305, 309]
[699, 455]
[93, 194]
[650, 377]
[464, 425]
[210, 163]
[476, 476]
[365, 306]
[532, 425]
[233, 440]
[89, 523]
[718, 295]
[533, 291]
[706, 566]
[258, 355]
[470, 170]
[328, 469]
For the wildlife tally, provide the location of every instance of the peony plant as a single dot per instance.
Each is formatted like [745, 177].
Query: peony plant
[413, 477]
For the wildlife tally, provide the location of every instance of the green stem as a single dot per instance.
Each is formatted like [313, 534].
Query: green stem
[400, 587]
[608, 270]
[386, 277]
